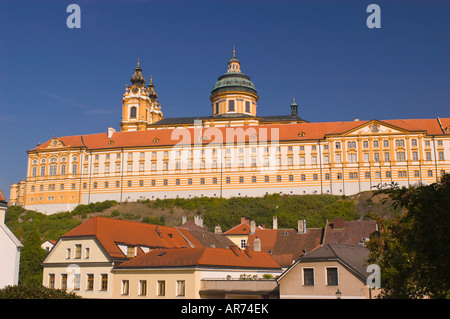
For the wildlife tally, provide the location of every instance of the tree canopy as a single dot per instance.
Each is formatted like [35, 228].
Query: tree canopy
[413, 249]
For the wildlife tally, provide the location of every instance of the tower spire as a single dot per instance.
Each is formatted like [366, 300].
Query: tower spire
[137, 78]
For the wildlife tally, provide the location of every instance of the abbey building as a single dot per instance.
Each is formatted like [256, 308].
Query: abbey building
[232, 152]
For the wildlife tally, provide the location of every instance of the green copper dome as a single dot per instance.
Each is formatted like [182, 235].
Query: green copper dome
[234, 79]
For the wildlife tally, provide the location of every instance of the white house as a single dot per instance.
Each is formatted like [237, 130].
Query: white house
[9, 250]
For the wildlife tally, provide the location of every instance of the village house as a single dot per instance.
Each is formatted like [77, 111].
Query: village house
[331, 271]
[10, 248]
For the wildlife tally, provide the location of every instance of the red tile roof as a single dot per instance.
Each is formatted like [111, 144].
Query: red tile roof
[2, 197]
[282, 132]
[110, 232]
[204, 256]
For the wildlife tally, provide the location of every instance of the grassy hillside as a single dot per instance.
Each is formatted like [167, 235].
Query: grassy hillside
[315, 209]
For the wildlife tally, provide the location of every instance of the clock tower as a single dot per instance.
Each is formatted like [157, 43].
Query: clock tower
[140, 106]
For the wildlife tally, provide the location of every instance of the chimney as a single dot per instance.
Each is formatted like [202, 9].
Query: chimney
[218, 230]
[257, 244]
[252, 227]
[338, 223]
[198, 220]
[302, 226]
[111, 131]
[275, 222]
[183, 220]
[244, 220]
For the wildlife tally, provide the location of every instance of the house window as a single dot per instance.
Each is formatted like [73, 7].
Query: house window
[131, 251]
[228, 181]
[428, 155]
[104, 283]
[181, 288]
[77, 251]
[401, 156]
[376, 157]
[125, 287]
[68, 253]
[217, 108]
[63, 169]
[76, 281]
[90, 282]
[63, 281]
[142, 287]
[243, 243]
[161, 288]
[338, 145]
[308, 277]
[332, 276]
[51, 281]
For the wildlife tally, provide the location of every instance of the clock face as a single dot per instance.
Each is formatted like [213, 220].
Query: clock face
[135, 90]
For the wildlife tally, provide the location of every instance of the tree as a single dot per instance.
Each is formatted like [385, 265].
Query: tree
[413, 249]
[31, 257]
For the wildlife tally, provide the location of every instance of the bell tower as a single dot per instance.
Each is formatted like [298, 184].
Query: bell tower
[140, 106]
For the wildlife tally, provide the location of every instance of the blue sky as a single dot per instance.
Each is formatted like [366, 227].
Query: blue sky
[60, 81]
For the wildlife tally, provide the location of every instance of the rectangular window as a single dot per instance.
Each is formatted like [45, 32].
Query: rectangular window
[247, 106]
[76, 281]
[375, 143]
[241, 179]
[63, 281]
[51, 281]
[308, 277]
[90, 282]
[387, 157]
[376, 157]
[441, 156]
[253, 179]
[104, 282]
[338, 145]
[177, 181]
[386, 143]
[367, 175]
[77, 251]
[401, 156]
[266, 179]
[214, 180]
[428, 155]
[131, 251]
[414, 142]
[231, 105]
[338, 158]
[125, 287]
[181, 288]
[228, 181]
[217, 108]
[142, 287]
[161, 288]
[366, 144]
[243, 243]
[415, 156]
[366, 157]
[303, 177]
[332, 276]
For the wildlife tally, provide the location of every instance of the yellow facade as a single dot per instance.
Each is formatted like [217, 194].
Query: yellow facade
[295, 157]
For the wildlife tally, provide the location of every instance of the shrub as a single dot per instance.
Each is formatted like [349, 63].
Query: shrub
[23, 291]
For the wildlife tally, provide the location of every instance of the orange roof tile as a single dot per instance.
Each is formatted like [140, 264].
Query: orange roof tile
[282, 132]
[205, 256]
[2, 197]
[111, 232]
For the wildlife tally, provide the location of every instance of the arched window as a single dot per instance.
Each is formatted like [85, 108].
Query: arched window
[133, 112]
[74, 169]
[33, 171]
[52, 170]
[42, 170]
[63, 169]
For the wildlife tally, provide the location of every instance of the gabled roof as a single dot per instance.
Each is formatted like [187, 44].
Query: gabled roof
[111, 232]
[349, 232]
[10, 235]
[203, 256]
[352, 257]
